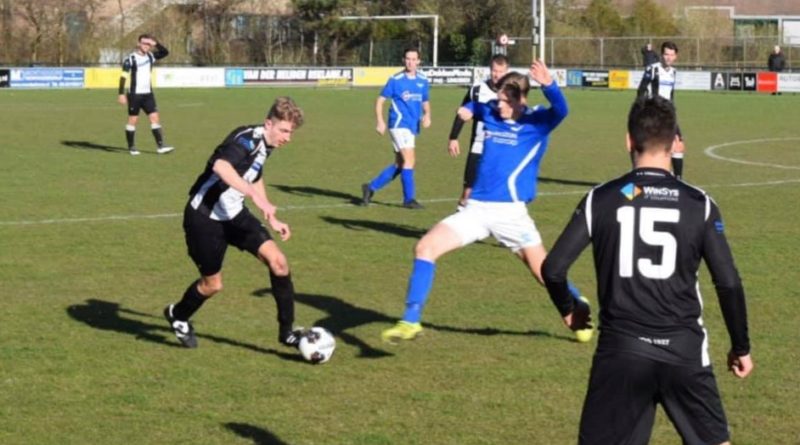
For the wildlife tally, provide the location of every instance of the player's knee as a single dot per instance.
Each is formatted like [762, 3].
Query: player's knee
[210, 287]
[424, 249]
[279, 266]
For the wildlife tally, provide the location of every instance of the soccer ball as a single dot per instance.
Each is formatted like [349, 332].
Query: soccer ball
[317, 345]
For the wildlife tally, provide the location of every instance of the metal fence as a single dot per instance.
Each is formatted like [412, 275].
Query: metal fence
[625, 52]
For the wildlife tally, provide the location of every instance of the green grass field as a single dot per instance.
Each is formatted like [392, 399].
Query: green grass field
[91, 250]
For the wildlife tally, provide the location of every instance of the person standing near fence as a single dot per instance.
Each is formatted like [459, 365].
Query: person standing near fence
[649, 56]
[138, 69]
[659, 80]
[776, 62]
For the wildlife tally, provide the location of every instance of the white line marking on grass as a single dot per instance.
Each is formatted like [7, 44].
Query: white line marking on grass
[710, 152]
[335, 206]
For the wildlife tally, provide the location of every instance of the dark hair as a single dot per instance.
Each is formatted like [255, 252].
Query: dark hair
[518, 85]
[669, 45]
[498, 59]
[145, 36]
[652, 124]
[411, 49]
[284, 109]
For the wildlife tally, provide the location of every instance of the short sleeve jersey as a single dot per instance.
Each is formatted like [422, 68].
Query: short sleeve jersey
[513, 150]
[246, 150]
[407, 94]
[660, 80]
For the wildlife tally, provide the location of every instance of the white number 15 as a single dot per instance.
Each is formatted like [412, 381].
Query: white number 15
[648, 217]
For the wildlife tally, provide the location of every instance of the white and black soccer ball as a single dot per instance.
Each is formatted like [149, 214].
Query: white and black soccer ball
[317, 345]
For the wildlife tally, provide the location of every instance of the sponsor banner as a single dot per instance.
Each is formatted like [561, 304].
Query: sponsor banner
[189, 77]
[750, 81]
[448, 75]
[47, 78]
[373, 76]
[102, 77]
[719, 80]
[574, 78]
[593, 78]
[560, 76]
[234, 77]
[767, 82]
[735, 81]
[261, 76]
[5, 78]
[693, 80]
[479, 73]
[618, 79]
[635, 79]
[789, 82]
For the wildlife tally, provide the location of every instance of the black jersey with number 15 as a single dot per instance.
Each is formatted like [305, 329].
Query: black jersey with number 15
[649, 231]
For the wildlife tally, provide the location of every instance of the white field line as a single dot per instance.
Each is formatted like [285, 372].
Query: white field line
[451, 200]
[711, 152]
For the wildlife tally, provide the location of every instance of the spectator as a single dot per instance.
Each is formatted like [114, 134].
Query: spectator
[776, 62]
[649, 56]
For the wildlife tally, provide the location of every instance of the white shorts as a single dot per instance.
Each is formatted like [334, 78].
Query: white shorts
[508, 222]
[402, 139]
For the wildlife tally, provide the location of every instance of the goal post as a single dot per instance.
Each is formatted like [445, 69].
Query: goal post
[435, 18]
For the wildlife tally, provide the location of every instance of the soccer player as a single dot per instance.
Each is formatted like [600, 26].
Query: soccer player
[138, 68]
[481, 92]
[659, 80]
[216, 217]
[516, 140]
[408, 92]
[648, 233]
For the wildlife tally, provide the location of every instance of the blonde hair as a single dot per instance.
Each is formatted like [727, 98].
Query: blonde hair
[515, 85]
[284, 109]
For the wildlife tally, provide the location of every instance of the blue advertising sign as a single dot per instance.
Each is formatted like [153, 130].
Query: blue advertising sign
[47, 78]
[574, 78]
[234, 77]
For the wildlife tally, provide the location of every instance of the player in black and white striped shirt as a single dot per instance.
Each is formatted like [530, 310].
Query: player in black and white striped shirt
[481, 92]
[216, 217]
[138, 69]
[649, 232]
[660, 79]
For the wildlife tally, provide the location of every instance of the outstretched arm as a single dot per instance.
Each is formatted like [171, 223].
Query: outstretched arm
[558, 103]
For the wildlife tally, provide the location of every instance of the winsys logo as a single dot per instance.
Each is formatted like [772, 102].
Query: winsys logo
[631, 191]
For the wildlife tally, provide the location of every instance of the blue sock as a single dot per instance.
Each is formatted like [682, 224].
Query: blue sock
[384, 177]
[419, 286]
[573, 290]
[407, 176]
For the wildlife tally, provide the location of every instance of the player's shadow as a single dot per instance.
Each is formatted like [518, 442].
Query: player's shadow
[110, 316]
[403, 230]
[567, 182]
[86, 145]
[341, 317]
[308, 191]
[259, 436]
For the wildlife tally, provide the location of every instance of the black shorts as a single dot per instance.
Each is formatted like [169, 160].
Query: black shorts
[207, 239]
[146, 102]
[623, 392]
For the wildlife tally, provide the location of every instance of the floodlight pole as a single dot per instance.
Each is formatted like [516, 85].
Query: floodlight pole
[435, 18]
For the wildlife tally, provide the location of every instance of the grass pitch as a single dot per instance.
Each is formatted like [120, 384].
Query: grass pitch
[91, 250]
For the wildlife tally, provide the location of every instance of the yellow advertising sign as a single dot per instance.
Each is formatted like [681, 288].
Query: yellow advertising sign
[102, 77]
[618, 79]
[373, 76]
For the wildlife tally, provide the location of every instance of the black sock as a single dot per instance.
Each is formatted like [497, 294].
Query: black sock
[677, 167]
[129, 134]
[159, 137]
[283, 292]
[189, 304]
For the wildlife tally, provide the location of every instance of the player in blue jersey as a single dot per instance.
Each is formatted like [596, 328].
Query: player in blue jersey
[408, 92]
[515, 141]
